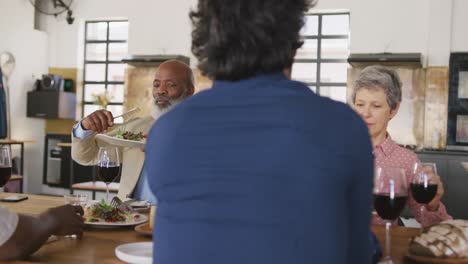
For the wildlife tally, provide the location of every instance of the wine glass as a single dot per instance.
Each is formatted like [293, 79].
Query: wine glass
[108, 166]
[424, 184]
[76, 199]
[390, 195]
[5, 165]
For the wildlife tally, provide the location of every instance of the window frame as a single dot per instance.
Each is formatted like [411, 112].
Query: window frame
[319, 60]
[106, 62]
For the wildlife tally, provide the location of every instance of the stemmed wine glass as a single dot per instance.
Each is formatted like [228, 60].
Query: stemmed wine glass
[5, 166]
[108, 166]
[390, 195]
[424, 184]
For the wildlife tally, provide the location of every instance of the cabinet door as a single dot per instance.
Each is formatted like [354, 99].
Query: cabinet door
[458, 189]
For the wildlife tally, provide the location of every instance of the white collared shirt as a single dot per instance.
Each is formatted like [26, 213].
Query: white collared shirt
[8, 223]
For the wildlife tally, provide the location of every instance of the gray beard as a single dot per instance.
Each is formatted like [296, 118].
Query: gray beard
[157, 112]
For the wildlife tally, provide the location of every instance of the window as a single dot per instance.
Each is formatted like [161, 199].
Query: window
[457, 127]
[321, 62]
[105, 47]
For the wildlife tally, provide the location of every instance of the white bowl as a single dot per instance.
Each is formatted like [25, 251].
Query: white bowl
[138, 253]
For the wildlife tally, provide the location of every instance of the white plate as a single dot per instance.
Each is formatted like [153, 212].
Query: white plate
[120, 142]
[132, 222]
[140, 252]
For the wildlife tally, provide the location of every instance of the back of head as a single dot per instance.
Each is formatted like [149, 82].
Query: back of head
[238, 39]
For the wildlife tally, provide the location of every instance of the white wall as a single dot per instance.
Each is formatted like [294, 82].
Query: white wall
[155, 27]
[459, 26]
[30, 50]
[432, 27]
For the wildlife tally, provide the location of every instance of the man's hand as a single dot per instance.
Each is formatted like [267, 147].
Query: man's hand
[65, 220]
[98, 121]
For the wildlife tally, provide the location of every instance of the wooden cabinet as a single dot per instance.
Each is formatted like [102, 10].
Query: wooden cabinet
[455, 178]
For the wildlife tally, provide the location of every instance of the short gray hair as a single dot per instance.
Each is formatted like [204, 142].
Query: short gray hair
[379, 77]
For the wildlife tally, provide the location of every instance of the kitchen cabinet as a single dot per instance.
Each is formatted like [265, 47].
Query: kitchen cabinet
[455, 178]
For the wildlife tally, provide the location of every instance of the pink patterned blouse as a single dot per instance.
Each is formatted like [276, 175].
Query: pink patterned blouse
[389, 154]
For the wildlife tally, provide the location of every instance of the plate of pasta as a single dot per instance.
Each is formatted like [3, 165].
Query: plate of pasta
[124, 139]
[104, 215]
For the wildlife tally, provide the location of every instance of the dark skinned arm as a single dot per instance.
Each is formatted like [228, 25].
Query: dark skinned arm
[32, 232]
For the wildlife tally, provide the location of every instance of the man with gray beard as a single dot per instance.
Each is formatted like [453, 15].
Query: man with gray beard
[173, 83]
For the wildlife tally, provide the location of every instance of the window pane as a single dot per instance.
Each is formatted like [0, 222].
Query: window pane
[91, 89]
[96, 52]
[310, 26]
[335, 49]
[118, 30]
[116, 73]
[116, 110]
[333, 72]
[335, 93]
[88, 109]
[308, 50]
[95, 72]
[463, 85]
[117, 51]
[335, 25]
[313, 88]
[96, 31]
[305, 72]
[462, 129]
[117, 93]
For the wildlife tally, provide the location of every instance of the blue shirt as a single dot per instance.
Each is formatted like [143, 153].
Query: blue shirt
[261, 171]
[142, 190]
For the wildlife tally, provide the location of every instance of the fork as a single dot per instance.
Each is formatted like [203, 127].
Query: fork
[126, 116]
[129, 113]
[122, 206]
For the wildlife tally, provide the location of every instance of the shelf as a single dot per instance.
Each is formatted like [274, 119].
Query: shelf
[16, 177]
[14, 141]
[96, 186]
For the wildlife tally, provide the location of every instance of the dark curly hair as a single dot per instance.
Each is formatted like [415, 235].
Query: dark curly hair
[237, 39]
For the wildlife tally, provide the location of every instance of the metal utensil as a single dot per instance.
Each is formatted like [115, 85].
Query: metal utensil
[129, 113]
[122, 206]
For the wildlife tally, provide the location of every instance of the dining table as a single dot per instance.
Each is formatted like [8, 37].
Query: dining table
[400, 239]
[97, 245]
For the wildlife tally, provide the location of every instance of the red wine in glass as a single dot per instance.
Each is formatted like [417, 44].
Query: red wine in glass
[108, 166]
[423, 193]
[5, 165]
[108, 173]
[424, 185]
[5, 175]
[388, 207]
[390, 196]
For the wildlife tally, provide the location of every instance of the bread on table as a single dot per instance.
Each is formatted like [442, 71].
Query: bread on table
[448, 239]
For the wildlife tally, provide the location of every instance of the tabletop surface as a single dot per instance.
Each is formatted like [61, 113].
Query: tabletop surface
[97, 246]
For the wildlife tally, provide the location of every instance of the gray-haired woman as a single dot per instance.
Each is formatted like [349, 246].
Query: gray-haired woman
[376, 97]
